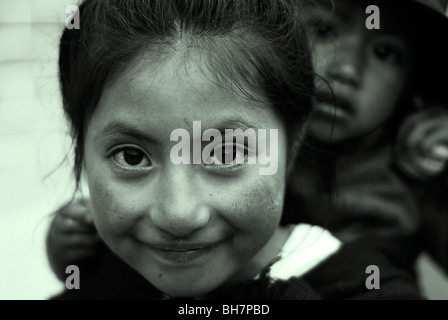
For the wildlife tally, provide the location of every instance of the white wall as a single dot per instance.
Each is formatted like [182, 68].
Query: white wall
[33, 142]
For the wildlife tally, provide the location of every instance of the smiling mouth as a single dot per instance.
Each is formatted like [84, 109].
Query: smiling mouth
[181, 253]
[182, 256]
[187, 249]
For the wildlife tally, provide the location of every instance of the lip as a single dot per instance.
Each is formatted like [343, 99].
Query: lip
[181, 253]
[329, 103]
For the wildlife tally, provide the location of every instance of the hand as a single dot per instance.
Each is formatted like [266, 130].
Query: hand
[72, 237]
[422, 145]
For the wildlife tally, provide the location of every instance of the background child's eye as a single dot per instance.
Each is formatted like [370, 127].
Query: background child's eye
[131, 157]
[321, 28]
[387, 53]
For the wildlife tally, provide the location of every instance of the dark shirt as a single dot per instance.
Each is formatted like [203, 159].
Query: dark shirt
[342, 276]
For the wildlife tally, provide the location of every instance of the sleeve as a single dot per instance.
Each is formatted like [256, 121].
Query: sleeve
[344, 275]
[293, 289]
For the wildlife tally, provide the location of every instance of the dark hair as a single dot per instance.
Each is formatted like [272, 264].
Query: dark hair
[248, 43]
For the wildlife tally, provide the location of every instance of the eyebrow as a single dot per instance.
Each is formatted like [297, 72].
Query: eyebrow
[120, 128]
[233, 123]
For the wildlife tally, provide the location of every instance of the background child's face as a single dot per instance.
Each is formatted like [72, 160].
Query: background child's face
[186, 228]
[366, 69]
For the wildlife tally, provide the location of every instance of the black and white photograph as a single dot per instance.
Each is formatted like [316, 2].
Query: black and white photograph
[223, 150]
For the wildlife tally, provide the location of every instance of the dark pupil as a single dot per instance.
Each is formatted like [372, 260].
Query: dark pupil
[323, 29]
[132, 157]
[384, 51]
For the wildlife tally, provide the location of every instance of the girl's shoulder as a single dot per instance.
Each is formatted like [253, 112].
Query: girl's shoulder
[348, 273]
[305, 248]
[314, 265]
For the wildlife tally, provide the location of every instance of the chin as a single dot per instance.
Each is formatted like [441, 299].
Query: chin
[185, 291]
[185, 288]
[327, 137]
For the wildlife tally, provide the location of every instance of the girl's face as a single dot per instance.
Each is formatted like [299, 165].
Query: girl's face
[365, 68]
[186, 228]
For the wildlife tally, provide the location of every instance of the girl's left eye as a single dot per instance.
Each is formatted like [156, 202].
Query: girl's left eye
[224, 156]
[131, 158]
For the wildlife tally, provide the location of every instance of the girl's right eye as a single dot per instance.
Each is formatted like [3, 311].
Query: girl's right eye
[131, 158]
[321, 28]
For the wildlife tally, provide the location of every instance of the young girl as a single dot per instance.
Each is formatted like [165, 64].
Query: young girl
[133, 74]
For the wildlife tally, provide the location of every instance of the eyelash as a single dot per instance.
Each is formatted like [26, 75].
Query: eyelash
[129, 167]
[230, 166]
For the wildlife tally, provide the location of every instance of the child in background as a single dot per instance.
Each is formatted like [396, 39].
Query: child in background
[386, 137]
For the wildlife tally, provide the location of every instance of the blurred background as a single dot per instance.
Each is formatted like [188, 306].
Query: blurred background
[34, 181]
[34, 178]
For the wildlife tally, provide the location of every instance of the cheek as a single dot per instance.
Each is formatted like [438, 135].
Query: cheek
[387, 86]
[254, 200]
[381, 94]
[108, 210]
[113, 206]
[254, 206]
[320, 56]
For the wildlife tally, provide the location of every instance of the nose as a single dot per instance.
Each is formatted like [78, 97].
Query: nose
[346, 60]
[180, 209]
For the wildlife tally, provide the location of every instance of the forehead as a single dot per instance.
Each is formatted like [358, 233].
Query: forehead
[162, 95]
[185, 66]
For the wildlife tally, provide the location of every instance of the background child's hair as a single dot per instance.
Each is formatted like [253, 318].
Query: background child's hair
[253, 45]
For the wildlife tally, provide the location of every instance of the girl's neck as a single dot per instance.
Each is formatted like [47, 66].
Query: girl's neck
[264, 257]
